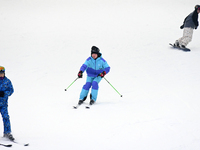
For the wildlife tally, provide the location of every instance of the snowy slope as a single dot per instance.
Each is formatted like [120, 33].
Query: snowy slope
[44, 43]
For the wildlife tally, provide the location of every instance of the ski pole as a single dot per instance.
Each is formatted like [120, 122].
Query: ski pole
[112, 87]
[71, 84]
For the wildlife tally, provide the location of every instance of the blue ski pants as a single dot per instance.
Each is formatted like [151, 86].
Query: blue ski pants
[6, 119]
[91, 82]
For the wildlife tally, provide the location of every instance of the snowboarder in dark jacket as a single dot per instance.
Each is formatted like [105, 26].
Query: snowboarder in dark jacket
[190, 23]
[6, 89]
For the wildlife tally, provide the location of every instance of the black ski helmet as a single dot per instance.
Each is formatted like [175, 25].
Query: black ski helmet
[94, 50]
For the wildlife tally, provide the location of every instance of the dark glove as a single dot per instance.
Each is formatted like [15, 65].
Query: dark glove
[1, 93]
[102, 74]
[181, 27]
[80, 74]
[196, 27]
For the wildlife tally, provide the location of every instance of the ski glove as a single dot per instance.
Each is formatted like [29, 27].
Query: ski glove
[181, 27]
[1, 93]
[102, 74]
[80, 74]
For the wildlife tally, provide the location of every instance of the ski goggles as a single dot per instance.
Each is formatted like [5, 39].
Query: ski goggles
[2, 69]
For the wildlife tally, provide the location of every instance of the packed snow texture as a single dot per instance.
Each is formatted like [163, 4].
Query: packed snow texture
[44, 43]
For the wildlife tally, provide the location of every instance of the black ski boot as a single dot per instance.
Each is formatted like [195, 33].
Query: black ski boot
[92, 102]
[9, 136]
[81, 101]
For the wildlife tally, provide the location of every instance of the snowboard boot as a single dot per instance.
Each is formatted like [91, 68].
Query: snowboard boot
[183, 46]
[176, 43]
[9, 136]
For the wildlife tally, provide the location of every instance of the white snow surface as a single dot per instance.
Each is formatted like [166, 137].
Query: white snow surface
[44, 43]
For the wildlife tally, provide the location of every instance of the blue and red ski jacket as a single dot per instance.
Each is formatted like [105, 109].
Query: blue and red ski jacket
[94, 67]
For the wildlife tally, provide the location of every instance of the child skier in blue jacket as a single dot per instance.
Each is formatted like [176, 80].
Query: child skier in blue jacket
[96, 68]
[6, 89]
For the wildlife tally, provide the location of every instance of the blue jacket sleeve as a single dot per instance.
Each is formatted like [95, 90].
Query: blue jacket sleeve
[85, 65]
[9, 90]
[106, 66]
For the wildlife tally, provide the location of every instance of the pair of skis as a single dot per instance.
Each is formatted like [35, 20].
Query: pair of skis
[77, 106]
[10, 145]
[6, 145]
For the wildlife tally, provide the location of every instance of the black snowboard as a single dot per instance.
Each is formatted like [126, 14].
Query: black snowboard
[179, 48]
